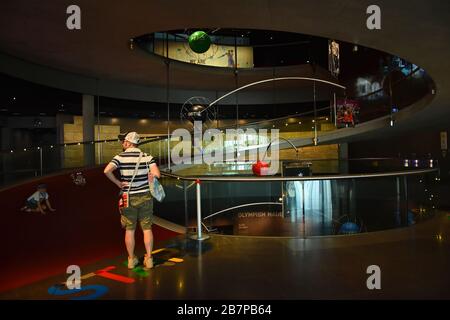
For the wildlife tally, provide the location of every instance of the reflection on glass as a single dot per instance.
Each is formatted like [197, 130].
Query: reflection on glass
[311, 203]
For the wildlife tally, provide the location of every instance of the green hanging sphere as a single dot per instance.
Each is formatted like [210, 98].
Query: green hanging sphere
[199, 42]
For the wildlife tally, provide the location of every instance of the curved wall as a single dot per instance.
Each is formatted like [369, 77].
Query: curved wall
[85, 228]
[105, 87]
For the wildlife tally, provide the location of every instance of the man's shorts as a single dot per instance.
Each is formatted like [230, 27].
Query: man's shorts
[140, 210]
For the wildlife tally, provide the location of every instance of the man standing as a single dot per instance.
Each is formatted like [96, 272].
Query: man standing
[133, 162]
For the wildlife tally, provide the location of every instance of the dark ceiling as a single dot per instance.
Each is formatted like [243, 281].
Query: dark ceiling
[35, 33]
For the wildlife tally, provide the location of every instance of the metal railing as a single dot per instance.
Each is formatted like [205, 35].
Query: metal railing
[199, 179]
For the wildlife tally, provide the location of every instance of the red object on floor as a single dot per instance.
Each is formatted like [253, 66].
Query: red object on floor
[116, 277]
[84, 229]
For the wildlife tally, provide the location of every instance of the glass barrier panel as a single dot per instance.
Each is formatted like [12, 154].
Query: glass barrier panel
[19, 166]
[172, 208]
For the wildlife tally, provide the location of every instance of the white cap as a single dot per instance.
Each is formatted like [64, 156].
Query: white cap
[133, 137]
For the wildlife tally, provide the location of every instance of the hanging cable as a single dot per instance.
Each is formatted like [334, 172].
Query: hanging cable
[315, 113]
[167, 61]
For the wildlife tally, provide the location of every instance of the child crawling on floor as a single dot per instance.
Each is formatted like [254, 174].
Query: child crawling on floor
[38, 201]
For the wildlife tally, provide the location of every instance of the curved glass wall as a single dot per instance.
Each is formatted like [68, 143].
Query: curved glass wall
[300, 207]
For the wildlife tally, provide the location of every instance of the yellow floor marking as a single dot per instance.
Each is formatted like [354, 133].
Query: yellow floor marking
[158, 250]
[86, 276]
[176, 260]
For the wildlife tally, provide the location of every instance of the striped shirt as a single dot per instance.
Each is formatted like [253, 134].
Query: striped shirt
[126, 163]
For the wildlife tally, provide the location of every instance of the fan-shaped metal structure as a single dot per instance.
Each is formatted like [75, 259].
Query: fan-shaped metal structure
[196, 109]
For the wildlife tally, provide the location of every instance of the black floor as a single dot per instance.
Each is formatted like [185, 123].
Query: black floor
[414, 263]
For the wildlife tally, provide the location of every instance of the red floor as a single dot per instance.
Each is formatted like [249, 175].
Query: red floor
[85, 228]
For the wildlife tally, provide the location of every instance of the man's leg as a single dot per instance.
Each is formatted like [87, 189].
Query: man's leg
[146, 218]
[128, 219]
[129, 242]
[148, 241]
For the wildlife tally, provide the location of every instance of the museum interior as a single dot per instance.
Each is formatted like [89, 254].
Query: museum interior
[353, 122]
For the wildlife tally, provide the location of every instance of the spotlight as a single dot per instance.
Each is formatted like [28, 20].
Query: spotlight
[406, 164]
[131, 44]
[392, 122]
